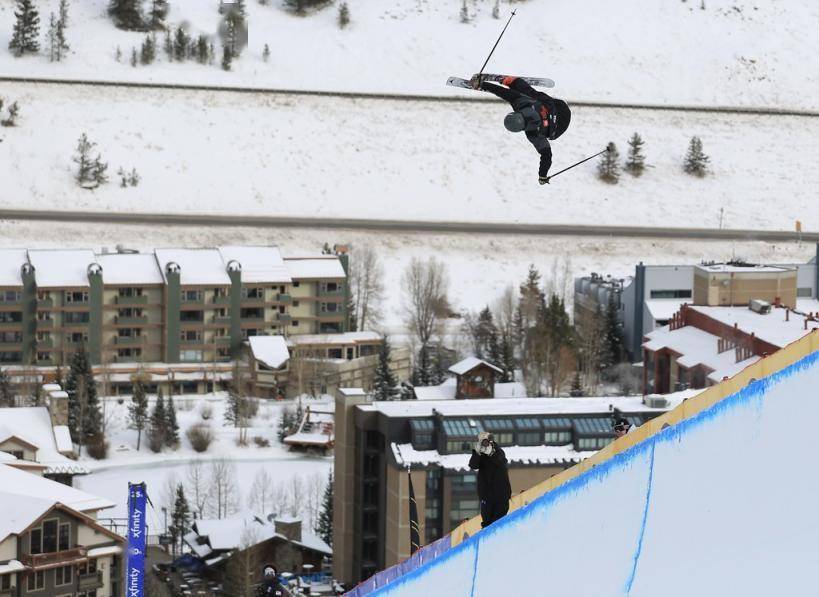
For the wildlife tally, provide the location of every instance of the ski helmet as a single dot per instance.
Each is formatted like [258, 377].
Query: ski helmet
[269, 571]
[560, 119]
[514, 122]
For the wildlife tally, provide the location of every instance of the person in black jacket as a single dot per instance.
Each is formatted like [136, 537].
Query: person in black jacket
[270, 586]
[541, 116]
[494, 489]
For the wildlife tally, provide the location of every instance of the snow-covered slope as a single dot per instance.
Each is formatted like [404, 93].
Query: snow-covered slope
[746, 52]
[710, 506]
[239, 153]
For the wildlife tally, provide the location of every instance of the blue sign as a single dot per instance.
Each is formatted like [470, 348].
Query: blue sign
[135, 572]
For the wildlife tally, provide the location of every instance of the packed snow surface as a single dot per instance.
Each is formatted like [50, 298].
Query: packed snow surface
[747, 52]
[706, 507]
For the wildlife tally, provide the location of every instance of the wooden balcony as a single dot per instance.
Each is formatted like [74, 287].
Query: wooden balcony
[140, 299]
[131, 320]
[55, 559]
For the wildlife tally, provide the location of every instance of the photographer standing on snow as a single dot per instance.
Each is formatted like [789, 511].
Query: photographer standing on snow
[494, 489]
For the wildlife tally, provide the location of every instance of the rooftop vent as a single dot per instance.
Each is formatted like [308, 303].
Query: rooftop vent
[759, 306]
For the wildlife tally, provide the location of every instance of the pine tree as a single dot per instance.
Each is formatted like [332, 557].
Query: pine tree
[26, 33]
[233, 407]
[168, 46]
[62, 25]
[90, 172]
[127, 14]
[496, 10]
[118, 54]
[148, 50]
[422, 373]
[180, 46]
[138, 410]
[134, 59]
[51, 36]
[507, 360]
[608, 170]
[464, 13]
[324, 525]
[6, 393]
[577, 386]
[227, 58]
[180, 519]
[202, 53]
[613, 340]
[636, 161]
[696, 162]
[343, 15]
[157, 14]
[84, 415]
[384, 381]
[266, 53]
[157, 430]
[171, 425]
[286, 421]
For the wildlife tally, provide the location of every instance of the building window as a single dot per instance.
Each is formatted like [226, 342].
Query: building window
[130, 292]
[36, 581]
[804, 292]
[43, 356]
[458, 446]
[65, 536]
[190, 336]
[63, 575]
[329, 287]
[558, 437]
[593, 443]
[50, 528]
[76, 297]
[43, 316]
[191, 316]
[461, 510]
[81, 317]
[190, 356]
[334, 353]
[295, 303]
[10, 357]
[252, 293]
[5, 582]
[129, 352]
[464, 483]
[88, 567]
[10, 337]
[432, 513]
[330, 307]
[11, 317]
[296, 283]
[529, 438]
[10, 296]
[294, 323]
[668, 294]
[78, 337]
[191, 296]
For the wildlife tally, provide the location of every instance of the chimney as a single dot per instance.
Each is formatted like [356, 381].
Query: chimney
[777, 302]
[289, 527]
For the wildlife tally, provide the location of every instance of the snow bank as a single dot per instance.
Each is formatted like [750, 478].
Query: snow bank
[687, 512]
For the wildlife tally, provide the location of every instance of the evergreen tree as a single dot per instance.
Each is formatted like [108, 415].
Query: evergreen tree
[171, 426]
[696, 162]
[127, 14]
[384, 382]
[157, 430]
[91, 172]
[464, 13]
[168, 46]
[343, 15]
[608, 170]
[613, 339]
[26, 32]
[422, 373]
[134, 59]
[180, 519]
[227, 58]
[62, 25]
[438, 374]
[148, 51]
[6, 393]
[51, 36]
[485, 337]
[84, 415]
[180, 45]
[577, 386]
[266, 53]
[138, 410]
[234, 407]
[118, 54]
[507, 360]
[496, 10]
[636, 161]
[406, 391]
[286, 422]
[202, 53]
[157, 14]
[324, 525]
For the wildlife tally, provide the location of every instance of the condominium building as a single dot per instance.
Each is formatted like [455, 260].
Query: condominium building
[168, 306]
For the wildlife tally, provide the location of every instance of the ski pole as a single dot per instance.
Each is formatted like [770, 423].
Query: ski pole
[578, 163]
[480, 72]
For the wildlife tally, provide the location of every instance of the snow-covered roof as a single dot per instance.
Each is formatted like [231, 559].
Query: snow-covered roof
[810, 305]
[62, 439]
[198, 267]
[698, 347]
[24, 497]
[108, 550]
[726, 268]
[469, 363]
[444, 391]
[120, 269]
[61, 268]
[512, 389]
[259, 264]
[770, 327]
[315, 438]
[11, 566]
[11, 260]
[515, 406]
[270, 350]
[33, 425]
[406, 454]
[663, 309]
[334, 339]
[229, 533]
[311, 268]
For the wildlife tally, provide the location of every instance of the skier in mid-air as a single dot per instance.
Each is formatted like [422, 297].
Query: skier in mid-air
[494, 489]
[543, 117]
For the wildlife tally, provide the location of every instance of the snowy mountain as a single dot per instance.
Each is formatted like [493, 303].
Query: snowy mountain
[725, 52]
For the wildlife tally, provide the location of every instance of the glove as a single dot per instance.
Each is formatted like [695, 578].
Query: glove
[543, 180]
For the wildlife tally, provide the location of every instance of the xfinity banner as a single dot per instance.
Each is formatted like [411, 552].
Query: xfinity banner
[135, 571]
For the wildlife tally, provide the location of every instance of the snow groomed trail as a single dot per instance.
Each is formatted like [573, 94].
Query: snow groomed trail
[717, 497]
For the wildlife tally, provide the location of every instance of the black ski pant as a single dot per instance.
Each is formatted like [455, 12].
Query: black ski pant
[518, 89]
[492, 510]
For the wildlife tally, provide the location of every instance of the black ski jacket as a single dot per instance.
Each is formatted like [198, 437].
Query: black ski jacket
[535, 107]
[493, 475]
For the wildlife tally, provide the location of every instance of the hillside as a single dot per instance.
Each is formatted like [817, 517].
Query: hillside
[732, 52]
[217, 152]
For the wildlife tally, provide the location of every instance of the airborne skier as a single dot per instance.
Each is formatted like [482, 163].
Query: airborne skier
[541, 116]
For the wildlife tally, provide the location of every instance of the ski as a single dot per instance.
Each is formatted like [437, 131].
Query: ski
[533, 81]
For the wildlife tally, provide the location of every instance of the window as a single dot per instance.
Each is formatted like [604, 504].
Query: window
[296, 283]
[191, 316]
[458, 446]
[663, 294]
[63, 575]
[36, 536]
[65, 536]
[10, 337]
[529, 438]
[593, 443]
[76, 297]
[432, 513]
[188, 356]
[11, 317]
[88, 567]
[465, 482]
[558, 437]
[192, 296]
[43, 316]
[252, 313]
[18, 454]
[804, 292]
[130, 292]
[5, 582]
[43, 356]
[330, 307]
[10, 357]
[329, 287]
[81, 317]
[79, 337]
[190, 335]
[294, 323]
[50, 528]
[36, 581]
[10, 296]
[462, 510]
[252, 293]
[129, 352]
[334, 353]
[295, 303]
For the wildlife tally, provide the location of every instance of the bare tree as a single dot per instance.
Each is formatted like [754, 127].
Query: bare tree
[313, 499]
[223, 488]
[198, 491]
[426, 284]
[503, 310]
[297, 495]
[242, 568]
[366, 286]
[260, 498]
[590, 336]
